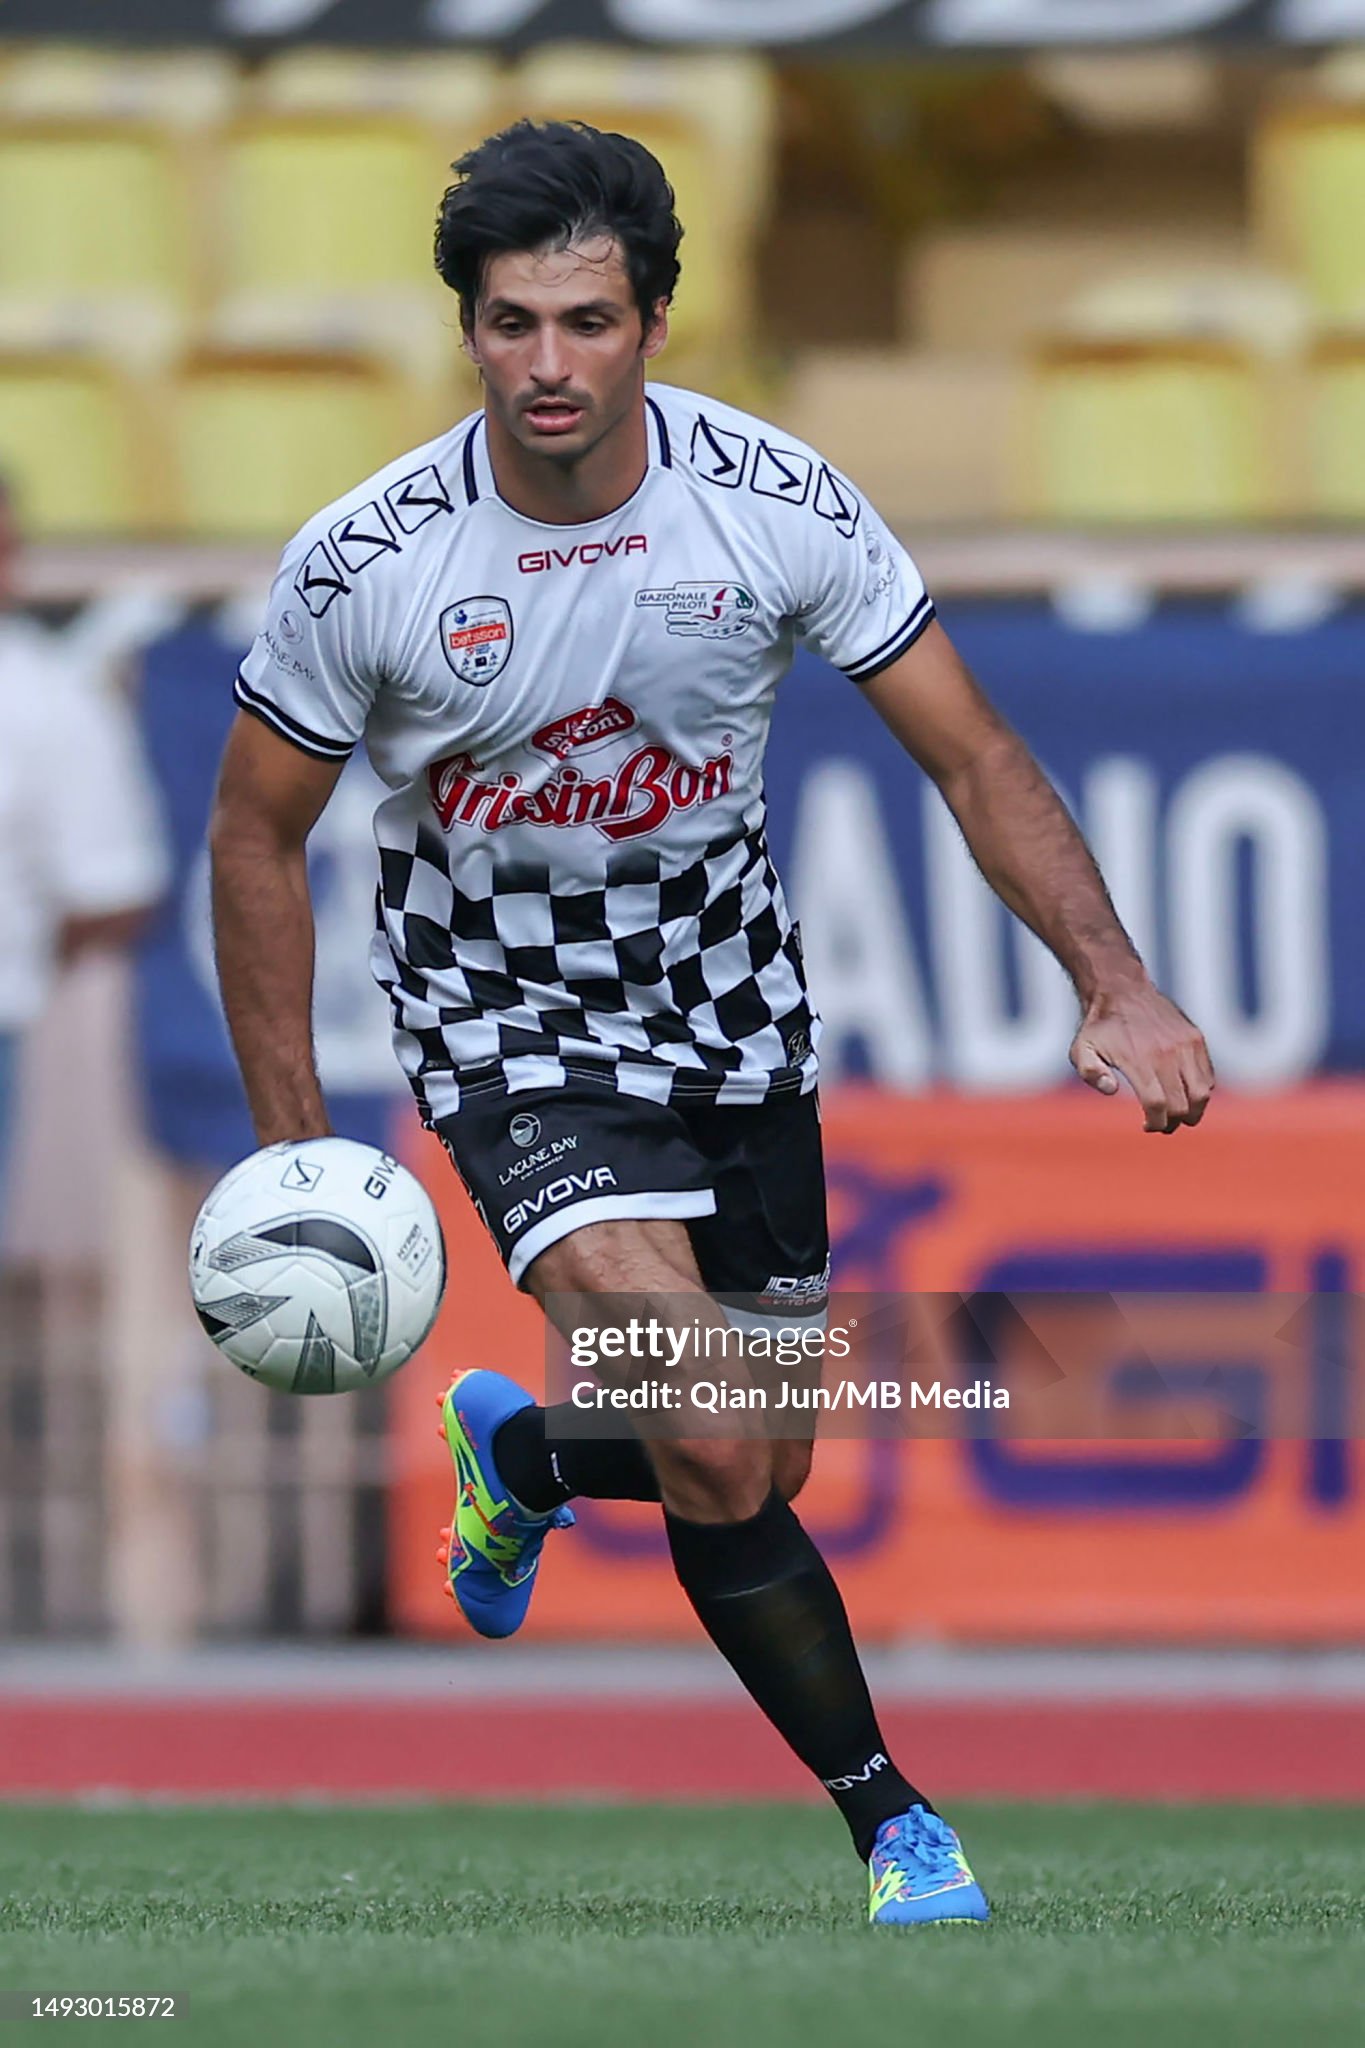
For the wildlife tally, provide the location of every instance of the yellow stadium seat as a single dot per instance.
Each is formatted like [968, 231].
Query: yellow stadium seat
[1310, 183]
[709, 120]
[263, 442]
[929, 437]
[93, 233]
[55, 239]
[1335, 436]
[1243, 304]
[1147, 431]
[69, 447]
[328, 223]
[324, 205]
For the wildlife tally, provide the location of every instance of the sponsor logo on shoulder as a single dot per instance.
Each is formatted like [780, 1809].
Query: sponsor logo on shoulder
[287, 663]
[476, 638]
[711, 611]
[881, 570]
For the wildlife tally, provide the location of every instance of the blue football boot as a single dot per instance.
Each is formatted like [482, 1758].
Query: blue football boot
[919, 1875]
[491, 1550]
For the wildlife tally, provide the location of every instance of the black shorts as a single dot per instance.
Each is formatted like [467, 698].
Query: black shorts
[747, 1179]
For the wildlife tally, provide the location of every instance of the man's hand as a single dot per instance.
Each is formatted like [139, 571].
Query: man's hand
[1029, 850]
[1139, 1033]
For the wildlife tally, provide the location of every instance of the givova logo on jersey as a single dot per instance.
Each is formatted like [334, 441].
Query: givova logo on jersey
[711, 611]
[476, 638]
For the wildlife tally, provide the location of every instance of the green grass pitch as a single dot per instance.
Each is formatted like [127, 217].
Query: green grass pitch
[657, 1927]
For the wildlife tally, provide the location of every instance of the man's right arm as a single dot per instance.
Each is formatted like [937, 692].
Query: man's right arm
[270, 795]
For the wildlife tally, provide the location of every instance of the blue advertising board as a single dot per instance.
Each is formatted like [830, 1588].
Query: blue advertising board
[1217, 768]
[1218, 771]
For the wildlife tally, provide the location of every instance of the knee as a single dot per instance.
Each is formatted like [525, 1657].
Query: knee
[791, 1467]
[706, 1479]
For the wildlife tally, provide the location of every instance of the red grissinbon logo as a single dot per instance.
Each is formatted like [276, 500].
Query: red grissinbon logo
[636, 798]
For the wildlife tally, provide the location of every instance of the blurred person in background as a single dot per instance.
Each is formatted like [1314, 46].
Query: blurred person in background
[82, 857]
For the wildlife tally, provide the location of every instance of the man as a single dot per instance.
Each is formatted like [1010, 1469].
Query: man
[82, 858]
[559, 628]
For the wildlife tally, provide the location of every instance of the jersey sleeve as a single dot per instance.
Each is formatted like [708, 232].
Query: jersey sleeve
[310, 675]
[864, 604]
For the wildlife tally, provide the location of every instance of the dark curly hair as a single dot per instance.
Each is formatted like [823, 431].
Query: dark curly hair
[540, 185]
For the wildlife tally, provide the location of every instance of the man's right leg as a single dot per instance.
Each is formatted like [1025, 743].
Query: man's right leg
[756, 1581]
[546, 1461]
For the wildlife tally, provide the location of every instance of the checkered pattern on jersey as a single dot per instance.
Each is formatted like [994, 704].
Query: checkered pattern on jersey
[659, 985]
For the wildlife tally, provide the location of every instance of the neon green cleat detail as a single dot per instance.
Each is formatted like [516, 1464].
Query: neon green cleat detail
[920, 1877]
[491, 1551]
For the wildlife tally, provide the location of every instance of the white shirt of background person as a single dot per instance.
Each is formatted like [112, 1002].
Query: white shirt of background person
[82, 851]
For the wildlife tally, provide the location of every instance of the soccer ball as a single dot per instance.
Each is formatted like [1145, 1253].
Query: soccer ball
[317, 1266]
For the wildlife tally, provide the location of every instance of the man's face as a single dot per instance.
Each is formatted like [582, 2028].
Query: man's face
[558, 338]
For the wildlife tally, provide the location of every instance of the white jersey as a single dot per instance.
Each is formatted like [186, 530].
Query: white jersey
[574, 879]
[80, 834]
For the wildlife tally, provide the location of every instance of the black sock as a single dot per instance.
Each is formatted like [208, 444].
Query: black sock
[766, 1598]
[542, 1466]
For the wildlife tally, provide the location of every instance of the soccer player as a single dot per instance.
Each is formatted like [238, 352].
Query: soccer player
[559, 629]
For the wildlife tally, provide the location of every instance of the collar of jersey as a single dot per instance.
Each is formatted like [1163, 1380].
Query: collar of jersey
[480, 483]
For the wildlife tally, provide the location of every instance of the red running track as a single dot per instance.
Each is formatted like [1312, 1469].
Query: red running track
[279, 1747]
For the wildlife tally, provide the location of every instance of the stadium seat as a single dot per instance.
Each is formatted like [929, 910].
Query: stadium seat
[928, 437]
[72, 271]
[709, 120]
[1335, 429]
[1147, 431]
[134, 127]
[70, 447]
[1310, 184]
[996, 289]
[263, 442]
[327, 235]
[1244, 304]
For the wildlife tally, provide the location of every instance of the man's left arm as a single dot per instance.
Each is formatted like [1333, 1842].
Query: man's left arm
[1027, 847]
